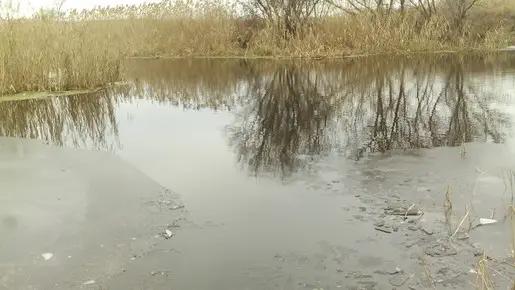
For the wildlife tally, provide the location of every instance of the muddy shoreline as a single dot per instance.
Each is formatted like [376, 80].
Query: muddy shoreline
[90, 212]
[396, 239]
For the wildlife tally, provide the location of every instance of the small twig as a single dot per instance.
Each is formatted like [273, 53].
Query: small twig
[463, 150]
[406, 215]
[383, 230]
[499, 273]
[405, 280]
[420, 217]
[448, 202]
[474, 227]
[483, 275]
[461, 223]
[471, 222]
[426, 269]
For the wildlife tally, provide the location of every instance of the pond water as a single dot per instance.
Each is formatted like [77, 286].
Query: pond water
[285, 167]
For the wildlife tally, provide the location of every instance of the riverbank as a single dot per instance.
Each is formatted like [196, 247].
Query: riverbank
[59, 51]
[463, 50]
[185, 76]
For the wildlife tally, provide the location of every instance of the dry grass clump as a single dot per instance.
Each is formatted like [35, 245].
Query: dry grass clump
[53, 51]
[483, 277]
[371, 31]
[490, 14]
[485, 268]
[45, 55]
[365, 34]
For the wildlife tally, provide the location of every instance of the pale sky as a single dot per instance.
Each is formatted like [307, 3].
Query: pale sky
[28, 6]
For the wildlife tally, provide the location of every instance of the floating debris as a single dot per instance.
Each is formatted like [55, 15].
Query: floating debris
[379, 223]
[478, 252]
[400, 280]
[47, 256]
[90, 282]
[485, 221]
[413, 228]
[411, 243]
[403, 210]
[176, 207]
[440, 249]
[428, 230]
[463, 236]
[155, 273]
[167, 234]
[174, 224]
[395, 271]
[384, 230]
[172, 205]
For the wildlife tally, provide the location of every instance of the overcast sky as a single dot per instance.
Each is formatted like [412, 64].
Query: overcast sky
[33, 5]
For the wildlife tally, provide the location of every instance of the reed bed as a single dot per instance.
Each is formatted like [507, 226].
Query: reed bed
[60, 51]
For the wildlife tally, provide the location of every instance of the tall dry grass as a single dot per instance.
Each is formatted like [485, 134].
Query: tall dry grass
[53, 51]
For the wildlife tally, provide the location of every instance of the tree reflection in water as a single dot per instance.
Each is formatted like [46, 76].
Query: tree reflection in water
[311, 110]
[290, 111]
[286, 116]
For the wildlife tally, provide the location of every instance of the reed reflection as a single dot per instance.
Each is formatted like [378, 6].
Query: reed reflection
[85, 120]
[289, 113]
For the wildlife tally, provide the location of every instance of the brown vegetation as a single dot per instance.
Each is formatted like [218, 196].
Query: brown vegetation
[54, 51]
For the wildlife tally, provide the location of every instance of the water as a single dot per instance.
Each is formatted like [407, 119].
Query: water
[285, 166]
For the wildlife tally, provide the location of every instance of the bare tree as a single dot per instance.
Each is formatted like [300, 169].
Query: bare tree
[459, 10]
[456, 10]
[373, 6]
[9, 9]
[341, 6]
[58, 6]
[427, 8]
[288, 16]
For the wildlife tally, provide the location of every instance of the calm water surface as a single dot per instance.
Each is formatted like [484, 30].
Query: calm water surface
[269, 156]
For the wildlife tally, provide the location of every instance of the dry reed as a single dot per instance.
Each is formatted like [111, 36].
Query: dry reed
[53, 51]
[508, 185]
[483, 277]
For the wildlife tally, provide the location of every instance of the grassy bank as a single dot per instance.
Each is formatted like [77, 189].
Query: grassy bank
[54, 51]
